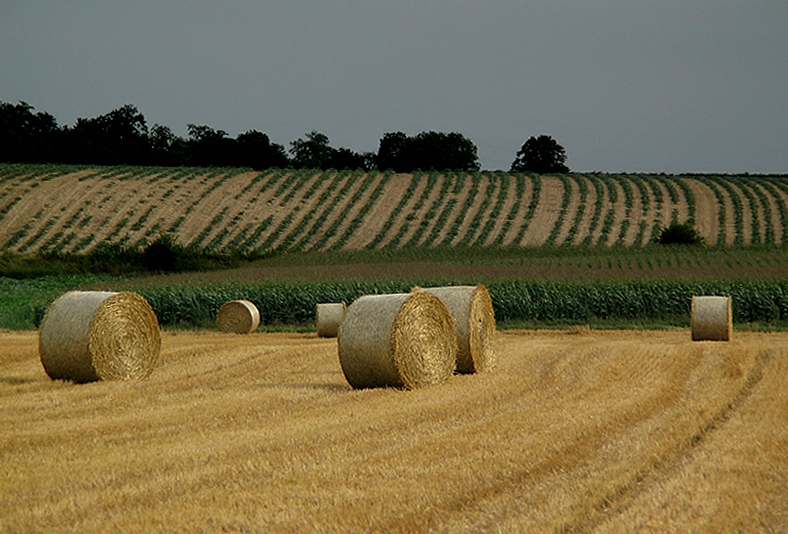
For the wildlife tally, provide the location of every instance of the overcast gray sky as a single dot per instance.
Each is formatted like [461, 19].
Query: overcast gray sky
[624, 85]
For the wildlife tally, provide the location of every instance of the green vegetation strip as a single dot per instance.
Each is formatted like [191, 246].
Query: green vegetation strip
[24, 302]
[523, 301]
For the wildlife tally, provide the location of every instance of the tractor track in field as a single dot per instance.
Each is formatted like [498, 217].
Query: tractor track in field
[616, 502]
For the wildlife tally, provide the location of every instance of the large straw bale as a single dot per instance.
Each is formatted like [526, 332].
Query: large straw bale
[472, 311]
[238, 317]
[99, 335]
[711, 319]
[328, 318]
[398, 340]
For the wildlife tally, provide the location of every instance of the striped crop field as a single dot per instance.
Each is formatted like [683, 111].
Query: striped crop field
[74, 209]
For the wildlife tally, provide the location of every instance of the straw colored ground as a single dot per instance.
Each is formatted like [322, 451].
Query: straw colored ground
[574, 431]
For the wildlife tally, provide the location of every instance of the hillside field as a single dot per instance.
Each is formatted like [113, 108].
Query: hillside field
[575, 431]
[74, 209]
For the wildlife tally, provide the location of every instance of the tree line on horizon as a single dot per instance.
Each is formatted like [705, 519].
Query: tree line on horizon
[122, 137]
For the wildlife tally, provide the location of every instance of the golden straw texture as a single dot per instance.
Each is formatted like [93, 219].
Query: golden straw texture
[472, 311]
[98, 335]
[238, 317]
[328, 317]
[711, 319]
[399, 340]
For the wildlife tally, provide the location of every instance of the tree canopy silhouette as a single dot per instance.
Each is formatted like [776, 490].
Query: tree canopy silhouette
[427, 150]
[541, 155]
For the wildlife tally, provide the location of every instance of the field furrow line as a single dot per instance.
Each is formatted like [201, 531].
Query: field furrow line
[467, 191]
[707, 212]
[779, 210]
[623, 497]
[635, 229]
[495, 218]
[575, 211]
[546, 205]
[428, 213]
[407, 196]
[514, 207]
[339, 210]
[351, 238]
[302, 233]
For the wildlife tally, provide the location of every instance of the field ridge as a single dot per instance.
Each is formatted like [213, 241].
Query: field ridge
[74, 209]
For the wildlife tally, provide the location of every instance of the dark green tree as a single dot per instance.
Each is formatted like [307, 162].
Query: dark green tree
[541, 155]
[312, 152]
[27, 136]
[254, 149]
[427, 150]
[315, 152]
[118, 137]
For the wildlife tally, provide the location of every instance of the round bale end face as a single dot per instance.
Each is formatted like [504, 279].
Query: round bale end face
[97, 335]
[424, 342]
[474, 318]
[238, 317]
[125, 339]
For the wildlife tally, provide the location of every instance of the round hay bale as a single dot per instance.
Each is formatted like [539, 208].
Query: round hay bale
[472, 311]
[328, 318]
[99, 335]
[711, 319]
[238, 317]
[400, 340]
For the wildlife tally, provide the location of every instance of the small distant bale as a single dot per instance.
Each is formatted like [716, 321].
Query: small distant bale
[99, 335]
[711, 319]
[238, 317]
[474, 318]
[402, 340]
[328, 317]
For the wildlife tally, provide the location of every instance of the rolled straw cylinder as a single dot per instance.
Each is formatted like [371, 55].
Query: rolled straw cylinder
[328, 318]
[711, 319]
[99, 335]
[472, 311]
[401, 340]
[238, 317]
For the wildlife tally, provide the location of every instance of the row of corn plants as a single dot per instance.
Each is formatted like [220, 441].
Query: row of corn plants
[333, 228]
[330, 203]
[432, 211]
[519, 192]
[381, 236]
[454, 229]
[495, 214]
[431, 179]
[629, 202]
[446, 202]
[582, 186]
[775, 193]
[476, 221]
[513, 301]
[566, 198]
[368, 205]
[536, 190]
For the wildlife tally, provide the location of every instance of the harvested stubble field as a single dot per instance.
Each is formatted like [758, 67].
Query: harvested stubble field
[574, 431]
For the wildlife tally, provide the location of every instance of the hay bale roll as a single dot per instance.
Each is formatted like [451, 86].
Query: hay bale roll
[711, 319]
[472, 311]
[399, 340]
[328, 318]
[238, 317]
[99, 335]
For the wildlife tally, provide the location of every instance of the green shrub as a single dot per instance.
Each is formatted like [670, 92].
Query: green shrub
[679, 234]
